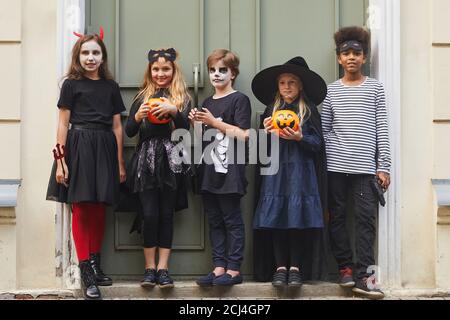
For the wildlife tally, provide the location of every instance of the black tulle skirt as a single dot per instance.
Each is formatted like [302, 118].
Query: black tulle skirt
[91, 156]
[152, 167]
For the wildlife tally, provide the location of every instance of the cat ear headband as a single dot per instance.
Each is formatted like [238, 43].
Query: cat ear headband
[169, 54]
[101, 35]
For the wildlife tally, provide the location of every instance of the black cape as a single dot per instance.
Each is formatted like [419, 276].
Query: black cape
[314, 247]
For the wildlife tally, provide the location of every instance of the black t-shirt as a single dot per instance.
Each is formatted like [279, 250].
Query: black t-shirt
[224, 176]
[91, 101]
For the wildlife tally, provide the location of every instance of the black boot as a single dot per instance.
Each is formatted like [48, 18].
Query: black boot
[88, 283]
[100, 277]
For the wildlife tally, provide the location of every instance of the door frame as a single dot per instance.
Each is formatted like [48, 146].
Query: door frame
[386, 66]
[386, 62]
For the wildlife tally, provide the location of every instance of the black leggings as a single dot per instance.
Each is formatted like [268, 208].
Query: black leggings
[158, 208]
[286, 245]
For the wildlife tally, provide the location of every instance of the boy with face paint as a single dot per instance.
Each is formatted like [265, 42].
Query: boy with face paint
[222, 180]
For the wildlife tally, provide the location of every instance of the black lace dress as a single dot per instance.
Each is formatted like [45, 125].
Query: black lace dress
[152, 165]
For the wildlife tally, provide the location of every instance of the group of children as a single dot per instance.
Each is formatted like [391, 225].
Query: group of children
[329, 157]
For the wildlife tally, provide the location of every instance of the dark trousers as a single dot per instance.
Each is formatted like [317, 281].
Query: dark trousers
[365, 210]
[286, 246]
[226, 229]
[158, 207]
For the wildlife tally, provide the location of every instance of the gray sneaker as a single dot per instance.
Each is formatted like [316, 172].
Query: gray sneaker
[280, 278]
[346, 278]
[362, 289]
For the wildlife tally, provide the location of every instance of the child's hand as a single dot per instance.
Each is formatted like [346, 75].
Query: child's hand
[289, 134]
[192, 116]
[164, 109]
[62, 173]
[142, 113]
[206, 117]
[384, 179]
[122, 172]
[268, 125]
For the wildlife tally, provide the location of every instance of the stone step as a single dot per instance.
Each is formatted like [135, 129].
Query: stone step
[189, 290]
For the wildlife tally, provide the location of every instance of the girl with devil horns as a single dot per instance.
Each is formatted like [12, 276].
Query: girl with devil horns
[288, 220]
[162, 105]
[88, 164]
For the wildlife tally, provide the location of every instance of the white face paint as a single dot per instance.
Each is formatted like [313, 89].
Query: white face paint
[220, 75]
[91, 57]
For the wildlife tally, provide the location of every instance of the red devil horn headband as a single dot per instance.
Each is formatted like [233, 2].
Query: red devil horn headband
[101, 35]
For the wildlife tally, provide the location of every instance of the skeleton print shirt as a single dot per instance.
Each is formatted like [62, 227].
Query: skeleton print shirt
[223, 163]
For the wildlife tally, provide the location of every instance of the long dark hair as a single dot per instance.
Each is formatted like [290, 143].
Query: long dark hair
[76, 71]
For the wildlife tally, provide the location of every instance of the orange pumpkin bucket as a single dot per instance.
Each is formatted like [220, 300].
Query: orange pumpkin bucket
[153, 119]
[285, 118]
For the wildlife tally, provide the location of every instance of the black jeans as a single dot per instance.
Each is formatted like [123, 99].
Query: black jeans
[226, 229]
[286, 246]
[365, 210]
[158, 207]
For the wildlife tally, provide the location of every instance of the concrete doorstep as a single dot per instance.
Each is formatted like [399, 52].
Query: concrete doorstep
[188, 290]
[183, 289]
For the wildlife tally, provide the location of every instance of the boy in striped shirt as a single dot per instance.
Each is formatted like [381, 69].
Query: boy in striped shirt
[355, 128]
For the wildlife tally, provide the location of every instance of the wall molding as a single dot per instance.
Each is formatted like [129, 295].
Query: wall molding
[441, 44]
[66, 265]
[442, 188]
[386, 66]
[441, 121]
[10, 121]
[10, 42]
[9, 190]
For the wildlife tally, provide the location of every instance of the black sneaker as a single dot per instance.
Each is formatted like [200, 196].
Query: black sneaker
[295, 279]
[227, 280]
[206, 281]
[280, 278]
[346, 278]
[149, 280]
[362, 289]
[163, 279]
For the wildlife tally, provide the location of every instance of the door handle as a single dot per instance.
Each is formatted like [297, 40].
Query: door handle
[196, 83]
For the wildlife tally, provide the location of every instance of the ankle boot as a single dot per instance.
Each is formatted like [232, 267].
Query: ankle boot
[100, 277]
[88, 283]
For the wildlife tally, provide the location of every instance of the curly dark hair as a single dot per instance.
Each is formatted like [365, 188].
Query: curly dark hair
[352, 33]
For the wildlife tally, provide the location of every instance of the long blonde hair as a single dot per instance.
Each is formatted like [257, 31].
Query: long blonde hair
[178, 93]
[303, 110]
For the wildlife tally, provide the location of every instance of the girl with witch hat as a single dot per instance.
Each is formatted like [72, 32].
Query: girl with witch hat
[88, 164]
[288, 222]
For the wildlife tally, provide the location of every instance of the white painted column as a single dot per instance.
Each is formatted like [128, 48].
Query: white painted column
[71, 17]
[384, 22]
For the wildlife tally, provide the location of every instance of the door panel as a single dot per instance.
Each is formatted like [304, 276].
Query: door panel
[262, 33]
[148, 24]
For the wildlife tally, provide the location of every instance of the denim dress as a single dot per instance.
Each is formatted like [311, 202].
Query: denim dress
[290, 198]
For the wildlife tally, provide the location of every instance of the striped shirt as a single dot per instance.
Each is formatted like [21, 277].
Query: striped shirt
[355, 128]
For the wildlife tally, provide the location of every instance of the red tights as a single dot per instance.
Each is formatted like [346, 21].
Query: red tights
[88, 228]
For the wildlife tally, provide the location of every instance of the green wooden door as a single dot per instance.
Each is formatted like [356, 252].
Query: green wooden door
[261, 32]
